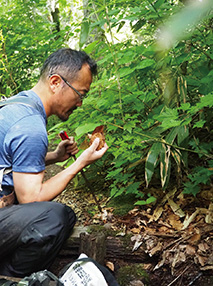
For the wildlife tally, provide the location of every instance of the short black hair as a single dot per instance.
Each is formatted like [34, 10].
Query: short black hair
[67, 62]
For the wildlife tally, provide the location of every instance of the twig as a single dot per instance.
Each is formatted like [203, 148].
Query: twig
[197, 277]
[179, 275]
[89, 187]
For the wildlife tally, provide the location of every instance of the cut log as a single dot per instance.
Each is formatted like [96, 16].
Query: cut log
[102, 248]
[93, 246]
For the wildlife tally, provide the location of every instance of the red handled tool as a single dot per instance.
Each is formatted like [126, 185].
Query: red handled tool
[64, 136]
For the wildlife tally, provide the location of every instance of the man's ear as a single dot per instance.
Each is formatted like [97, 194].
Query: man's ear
[55, 82]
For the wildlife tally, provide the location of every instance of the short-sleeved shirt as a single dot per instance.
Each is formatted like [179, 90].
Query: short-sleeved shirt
[23, 137]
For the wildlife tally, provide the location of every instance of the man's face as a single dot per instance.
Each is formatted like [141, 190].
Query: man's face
[68, 99]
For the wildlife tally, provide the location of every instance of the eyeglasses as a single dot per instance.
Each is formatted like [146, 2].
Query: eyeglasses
[81, 96]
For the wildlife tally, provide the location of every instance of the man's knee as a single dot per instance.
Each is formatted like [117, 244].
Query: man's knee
[54, 220]
[41, 239]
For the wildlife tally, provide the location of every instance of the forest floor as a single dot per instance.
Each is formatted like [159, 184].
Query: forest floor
[176, 232]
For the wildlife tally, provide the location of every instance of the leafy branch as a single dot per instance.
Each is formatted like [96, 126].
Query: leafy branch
[154, 139]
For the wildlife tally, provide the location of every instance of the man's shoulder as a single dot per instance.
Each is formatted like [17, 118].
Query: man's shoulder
[22, 104]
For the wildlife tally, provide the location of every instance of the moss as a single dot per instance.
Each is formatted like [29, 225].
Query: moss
[129, 273]
[93, 229]
[122, 204]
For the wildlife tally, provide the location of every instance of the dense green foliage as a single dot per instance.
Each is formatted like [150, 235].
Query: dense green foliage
[155, 102]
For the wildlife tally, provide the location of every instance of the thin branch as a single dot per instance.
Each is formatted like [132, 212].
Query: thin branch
[179, 275]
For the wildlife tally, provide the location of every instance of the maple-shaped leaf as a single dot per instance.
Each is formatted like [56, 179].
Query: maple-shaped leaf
[98, 129]
[98, 133]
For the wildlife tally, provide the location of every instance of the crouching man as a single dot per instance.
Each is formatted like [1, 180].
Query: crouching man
[34, 228]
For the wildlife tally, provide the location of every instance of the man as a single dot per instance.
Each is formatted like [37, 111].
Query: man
[33, 231]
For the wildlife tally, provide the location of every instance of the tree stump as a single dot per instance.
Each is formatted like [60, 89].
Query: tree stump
[93, 246]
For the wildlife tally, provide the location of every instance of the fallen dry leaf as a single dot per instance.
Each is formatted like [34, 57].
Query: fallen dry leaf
[209, 216]
[175, 222]
[208, 267]
[156, 215]
[158, 248]
[203, 247]
[176, 208]
[98, 133]
[110, 265]
[136, 245]
[136, 230]
[201, 259]
[190, 250]
[194, 239]
[189, 219]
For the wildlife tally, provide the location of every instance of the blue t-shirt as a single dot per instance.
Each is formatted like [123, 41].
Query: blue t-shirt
[23, 137]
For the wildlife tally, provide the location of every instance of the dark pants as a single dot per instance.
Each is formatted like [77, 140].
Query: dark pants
[31, 236]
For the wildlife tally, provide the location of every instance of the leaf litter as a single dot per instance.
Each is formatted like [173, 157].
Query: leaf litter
[175, 231]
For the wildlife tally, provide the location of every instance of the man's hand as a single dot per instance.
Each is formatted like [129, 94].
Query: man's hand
[91, 154]
[64, 150]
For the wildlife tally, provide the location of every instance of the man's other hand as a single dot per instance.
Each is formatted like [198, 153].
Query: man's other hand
[65, 149]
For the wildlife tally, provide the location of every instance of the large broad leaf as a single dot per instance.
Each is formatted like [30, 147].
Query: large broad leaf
[144, 64]
[81, 130]
[165, 164]
[90, 47]
[126, 71]
[172, 134]
[158, 3]
[183, 138]
[151, 161]
[177, 157]
[84, 33]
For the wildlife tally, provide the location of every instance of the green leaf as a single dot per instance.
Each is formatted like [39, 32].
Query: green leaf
[191, 189]
[199, 124]
[151, 161]
[90, 47]
[183, 141]
[133, 188]
[144, 64]
[182, 24]
[120, 25]
[183, 136]
[115, 192]
[165, 165]
[114, 173]
[145, 202]
[83, 129]
[126, 71]
[206, 100]
[185, 106]
[84, 33]
[169, 118]
[171, 136]
[158, 3]
[129, 126]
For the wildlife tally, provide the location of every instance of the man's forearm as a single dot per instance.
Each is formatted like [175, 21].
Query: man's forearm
[55, 185]
[50, 158]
